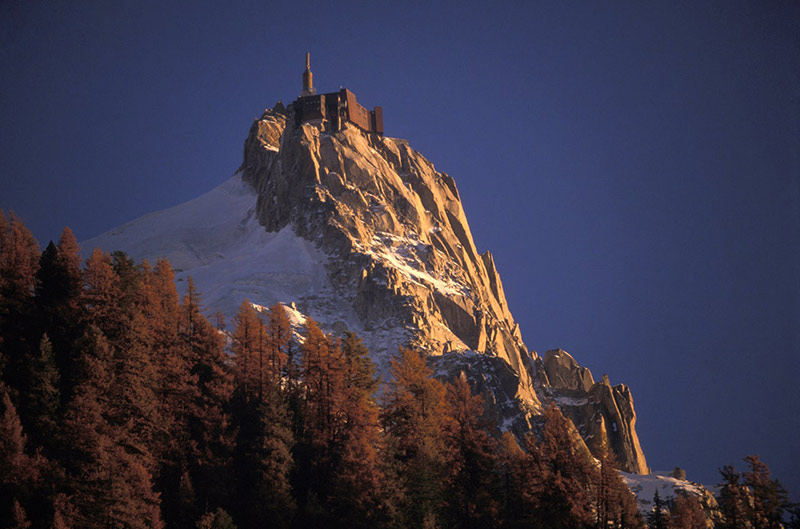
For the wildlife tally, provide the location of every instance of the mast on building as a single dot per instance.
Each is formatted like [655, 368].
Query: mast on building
[308, 79]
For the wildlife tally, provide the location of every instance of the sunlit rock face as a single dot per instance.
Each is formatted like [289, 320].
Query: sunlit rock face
[401, 254]
[362, 233]
[404, 252]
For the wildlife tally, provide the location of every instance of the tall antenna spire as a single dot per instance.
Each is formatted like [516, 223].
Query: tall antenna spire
[308, 79]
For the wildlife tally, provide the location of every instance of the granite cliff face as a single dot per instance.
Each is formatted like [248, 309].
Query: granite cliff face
[400, 253]
[362, 233]
[403, 249]
[598, 409]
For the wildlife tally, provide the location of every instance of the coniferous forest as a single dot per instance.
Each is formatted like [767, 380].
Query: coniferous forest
[123, 406]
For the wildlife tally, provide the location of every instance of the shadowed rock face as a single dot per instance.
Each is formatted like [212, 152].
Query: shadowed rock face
[401, 254]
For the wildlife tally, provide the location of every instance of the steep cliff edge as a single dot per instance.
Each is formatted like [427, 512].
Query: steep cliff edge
[362, 233]
[597, 409]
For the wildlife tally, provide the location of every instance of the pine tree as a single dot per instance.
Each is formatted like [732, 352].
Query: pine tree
[59, 283]
[657, 518]
[263, 460]
[733, 499]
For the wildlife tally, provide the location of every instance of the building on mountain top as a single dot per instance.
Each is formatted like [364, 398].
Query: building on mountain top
[333, 109]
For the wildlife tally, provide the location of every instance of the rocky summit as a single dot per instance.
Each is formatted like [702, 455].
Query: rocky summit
[361, 232]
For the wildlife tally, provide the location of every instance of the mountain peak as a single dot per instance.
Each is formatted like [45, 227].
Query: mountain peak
[362, 233]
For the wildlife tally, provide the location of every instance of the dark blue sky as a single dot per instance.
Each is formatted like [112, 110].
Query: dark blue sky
[633, 166]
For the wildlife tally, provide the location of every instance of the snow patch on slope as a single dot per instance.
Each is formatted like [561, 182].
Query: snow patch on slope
[408, 256]
[645, 486]
[217, 240]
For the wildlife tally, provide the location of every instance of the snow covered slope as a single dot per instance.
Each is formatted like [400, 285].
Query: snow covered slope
[669, 487]
[217, 240]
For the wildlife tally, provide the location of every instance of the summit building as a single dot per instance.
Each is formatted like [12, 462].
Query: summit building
[332, 110]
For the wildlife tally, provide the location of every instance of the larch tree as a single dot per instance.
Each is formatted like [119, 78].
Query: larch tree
[414, 418]
[210, 431]
[103, 297]
[320, 435]
[279, 335]
[218, 519]
[472, 482]
[511, 460]
[63, 512]
[733, 499]
[42, 398]
[19, 519]
[19, 264]
[561, 475]
[615, 504]
[18, 471]
[358, 496]
[108, 469]
[770, 499]
[247, 344]
[686, 513]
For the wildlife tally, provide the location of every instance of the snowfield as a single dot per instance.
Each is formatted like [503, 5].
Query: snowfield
[217, 240]
[645, 486]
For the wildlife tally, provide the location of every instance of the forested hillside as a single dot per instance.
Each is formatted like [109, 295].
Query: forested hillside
[123, 406]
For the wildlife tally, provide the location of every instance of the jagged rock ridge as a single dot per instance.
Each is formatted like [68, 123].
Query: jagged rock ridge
[599, 410]
[388, 233]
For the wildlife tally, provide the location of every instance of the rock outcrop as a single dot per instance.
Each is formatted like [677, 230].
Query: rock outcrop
[597, 409]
